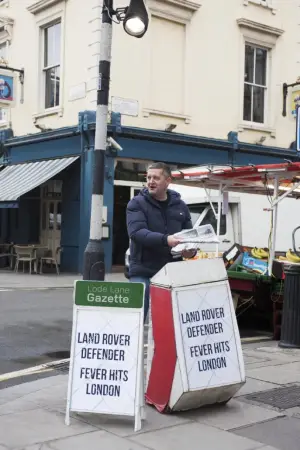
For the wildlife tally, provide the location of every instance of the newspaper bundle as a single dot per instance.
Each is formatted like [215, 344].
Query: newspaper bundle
[192, 239]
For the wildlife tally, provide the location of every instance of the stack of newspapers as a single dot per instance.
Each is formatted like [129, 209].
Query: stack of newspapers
[194, 238]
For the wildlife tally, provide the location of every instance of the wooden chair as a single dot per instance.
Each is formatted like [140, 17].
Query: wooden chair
[24, 254]
[9, 254]
[48, 256]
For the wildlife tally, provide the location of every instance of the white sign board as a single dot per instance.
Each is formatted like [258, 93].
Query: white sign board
[106, 366]
[209, 347]
[125, 106]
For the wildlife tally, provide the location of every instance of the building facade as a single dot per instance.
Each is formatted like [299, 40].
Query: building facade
[204, 85]
[206, 67]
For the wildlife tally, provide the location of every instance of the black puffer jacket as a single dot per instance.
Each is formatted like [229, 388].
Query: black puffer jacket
[149, 224]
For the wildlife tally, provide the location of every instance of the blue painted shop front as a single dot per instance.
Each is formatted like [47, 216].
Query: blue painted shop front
[21, 224]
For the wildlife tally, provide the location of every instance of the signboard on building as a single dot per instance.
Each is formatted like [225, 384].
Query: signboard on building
[125, 106]
[107, 350]
[295, 102]
[7, 88]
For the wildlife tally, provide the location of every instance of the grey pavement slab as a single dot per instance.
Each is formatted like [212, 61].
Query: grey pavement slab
[283, 374]
[234, 414]
[254, 360]
[53, 399]
[15, 406]
[123, 427]
[92, 441]
[193, 436]
[278, 351]
[273, 353]
[37, 426]
[283, 433]
[252, 385]
[269, 356]
[24, 389]
[12, 280]
[3, 448]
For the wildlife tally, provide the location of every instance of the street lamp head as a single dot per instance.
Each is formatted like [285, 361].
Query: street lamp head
[136, 19]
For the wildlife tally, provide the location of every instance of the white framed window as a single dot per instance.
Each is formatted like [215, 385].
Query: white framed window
[255, 83]
[50, 45]
[52, 64]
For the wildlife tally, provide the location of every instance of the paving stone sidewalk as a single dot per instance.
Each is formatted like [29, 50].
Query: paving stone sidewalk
[11, 280]
[32, 416]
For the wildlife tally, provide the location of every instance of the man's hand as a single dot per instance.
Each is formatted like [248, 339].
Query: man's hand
[173, 241]
[189, 254]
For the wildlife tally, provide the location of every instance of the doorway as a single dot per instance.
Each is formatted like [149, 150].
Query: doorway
[123, 192]
[51, 216]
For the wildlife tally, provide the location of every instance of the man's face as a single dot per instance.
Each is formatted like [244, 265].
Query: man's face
[157, 182]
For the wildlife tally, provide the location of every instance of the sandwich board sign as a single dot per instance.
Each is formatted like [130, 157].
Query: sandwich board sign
[107, 350]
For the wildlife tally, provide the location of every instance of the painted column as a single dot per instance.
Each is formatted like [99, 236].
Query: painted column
[109, 203]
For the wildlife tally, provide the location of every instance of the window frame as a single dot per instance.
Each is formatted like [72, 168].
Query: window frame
[45, 18]
[253, 84]
[266, 125]
[259, 34]
[45, 69]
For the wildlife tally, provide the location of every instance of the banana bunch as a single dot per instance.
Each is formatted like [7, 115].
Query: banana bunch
[202, 255]
[292, 257]
[260, 253]
[282, 258]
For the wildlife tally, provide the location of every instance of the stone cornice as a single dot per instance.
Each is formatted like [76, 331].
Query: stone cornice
[41, 5]
[261, 27]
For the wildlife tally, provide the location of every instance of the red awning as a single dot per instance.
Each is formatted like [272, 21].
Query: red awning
[254, 179]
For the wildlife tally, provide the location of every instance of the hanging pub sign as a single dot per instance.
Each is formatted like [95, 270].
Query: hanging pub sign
[295, 102]
[7, 87]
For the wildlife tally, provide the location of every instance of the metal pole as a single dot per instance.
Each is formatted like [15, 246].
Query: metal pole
[93, 265]
[274, 229]
[219, 218]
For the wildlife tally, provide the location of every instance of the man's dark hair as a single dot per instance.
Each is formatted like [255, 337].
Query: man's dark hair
[164, 167]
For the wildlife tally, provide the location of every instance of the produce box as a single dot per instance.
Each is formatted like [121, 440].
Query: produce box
[233, 256]
[255, 264]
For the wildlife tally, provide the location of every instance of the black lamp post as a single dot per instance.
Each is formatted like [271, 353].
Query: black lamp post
[135, 21]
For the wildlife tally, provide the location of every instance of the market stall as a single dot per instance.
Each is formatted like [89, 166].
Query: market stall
[249, 268]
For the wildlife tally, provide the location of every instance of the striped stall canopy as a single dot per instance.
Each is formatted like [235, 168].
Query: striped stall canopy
[17, 180]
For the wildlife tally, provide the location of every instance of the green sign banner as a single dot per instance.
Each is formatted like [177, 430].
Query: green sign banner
[109, 294]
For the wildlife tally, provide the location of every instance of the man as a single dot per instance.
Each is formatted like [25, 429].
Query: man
[153, 217]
